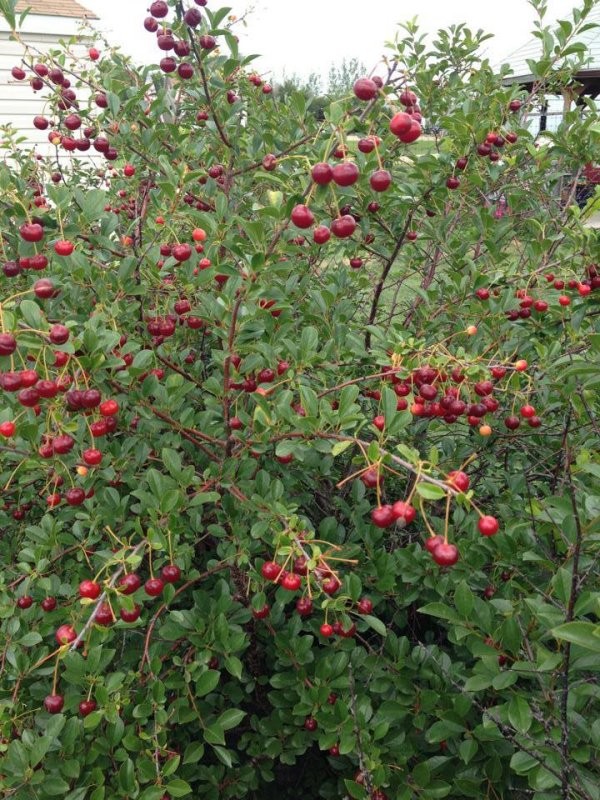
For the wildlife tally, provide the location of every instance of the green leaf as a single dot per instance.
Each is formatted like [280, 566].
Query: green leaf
[376, 624]
[584, 634]
[31, 313]
[464, 599]
[55, 786]
[207, 682]
[339, 447]
[178, 788]
[231, 718]
[519, 714]
[441, 611]
[429, 491]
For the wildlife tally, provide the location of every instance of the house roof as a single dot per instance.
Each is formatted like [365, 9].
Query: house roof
[56, 8]
[532, 50]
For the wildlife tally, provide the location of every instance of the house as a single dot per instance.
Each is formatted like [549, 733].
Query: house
[48, 22]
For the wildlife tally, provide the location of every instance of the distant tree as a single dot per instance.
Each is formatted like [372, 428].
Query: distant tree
[342, 76]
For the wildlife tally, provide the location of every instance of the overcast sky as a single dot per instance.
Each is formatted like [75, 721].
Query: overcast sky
[307, 36]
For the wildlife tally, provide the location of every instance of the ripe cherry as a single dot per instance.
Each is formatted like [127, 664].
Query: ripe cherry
[459, 480]
[446, 555]
[65, 634]
[345, 174]
[383, 516]
[92, 457]
[310, 724]
[48, 604]
[326, 630]
[304, 606]
[7, 429]
[89, 589]
[365, 89]
[302, 216]
[400, 124]
[104, 615]
[170, 573]
[130, 583]
[270, 570]
[433, 542]
[130, 614]
[153, 587]
[54, 703]
[403, 512]
[488, 526]
[322, 173]
[63, 248]
[86, 707]
[58, 334]
[380, 180]
[364, 606]
[291, 581]
[26, 601]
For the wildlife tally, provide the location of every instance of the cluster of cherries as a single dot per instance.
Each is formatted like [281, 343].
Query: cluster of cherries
[78, 137]
[529, 304]
[323, 577]
[431, 392]
[103, 615]
[405, 125]
[403, 513]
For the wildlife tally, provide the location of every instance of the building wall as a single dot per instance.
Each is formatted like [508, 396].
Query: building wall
[18, 102]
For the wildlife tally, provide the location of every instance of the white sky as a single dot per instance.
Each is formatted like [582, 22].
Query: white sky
[308, 35]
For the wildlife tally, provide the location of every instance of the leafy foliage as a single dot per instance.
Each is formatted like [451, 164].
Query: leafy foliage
[230, 411]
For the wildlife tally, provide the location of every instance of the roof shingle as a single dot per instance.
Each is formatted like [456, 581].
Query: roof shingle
[56, 8]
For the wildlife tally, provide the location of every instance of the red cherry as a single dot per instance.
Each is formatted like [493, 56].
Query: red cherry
[86, 707]
[170, 573]
[130, 583]
[261, 613]
[7, 429]
[564, 300]
[24, 602]
[104, 615]
[130, 614]
[90, 589]
[346, 173]
[310, 724]
[400, 124]
[75, 496]
[270, 570]
[48, 604]
[321, 173]
[344, 226]
[446, 555]
[365, 89]
[302, 216]
[331, 585]
[58, 334]
[64, 248]
[92, 457]
[153, 587]
[452, 183]
[383, 516]
[459, 480]
[321, 234]
[54, 703]
[304, 606]
[433, 542]
[413, 134]
[403, 511]
[326, 630]
[8, 344]
[65, 634]
[527, 411]
[488, 526]
[380, 180]
[379, 422]
[291, 581]
[108, 408]
[364, 606]
[128, 170]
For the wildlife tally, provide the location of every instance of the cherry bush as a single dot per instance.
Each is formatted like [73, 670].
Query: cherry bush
[298, 427]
